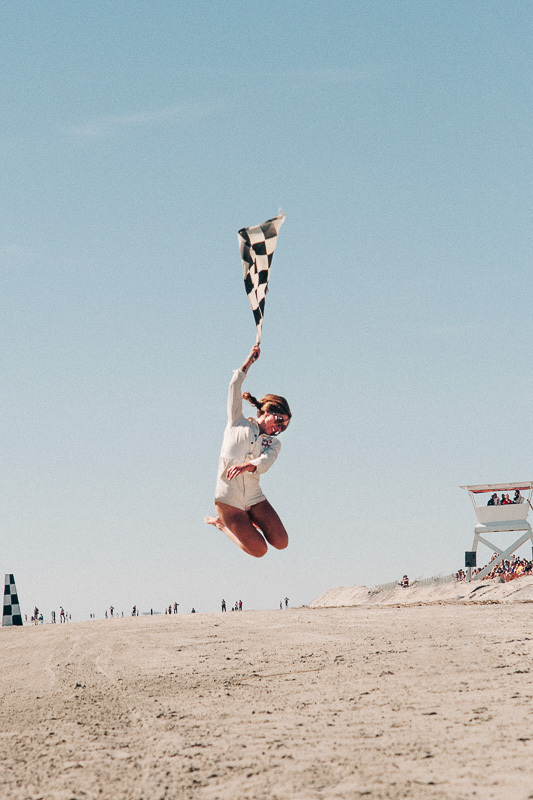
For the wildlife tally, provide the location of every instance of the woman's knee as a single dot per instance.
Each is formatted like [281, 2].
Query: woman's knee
[273, 529]
[281, 541]
[250, 539]
[258, 549]
[275, 534]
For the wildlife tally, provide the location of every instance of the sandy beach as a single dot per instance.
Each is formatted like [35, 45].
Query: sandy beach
[422, 701]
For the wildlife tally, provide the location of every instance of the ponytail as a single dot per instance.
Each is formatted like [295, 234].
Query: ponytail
[273, 403]
[253, 400]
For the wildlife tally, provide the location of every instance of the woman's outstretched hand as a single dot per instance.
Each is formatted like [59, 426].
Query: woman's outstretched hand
[238, 470]
[254, 354]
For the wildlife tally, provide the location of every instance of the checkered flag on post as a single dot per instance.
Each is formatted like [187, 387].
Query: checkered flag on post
[11, 615]
[257, 246]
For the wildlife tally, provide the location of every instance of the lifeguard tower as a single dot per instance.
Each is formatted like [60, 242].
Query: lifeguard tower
[499, 519]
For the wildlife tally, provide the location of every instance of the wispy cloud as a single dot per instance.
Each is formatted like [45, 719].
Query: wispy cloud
[185, 112]
[189, 112]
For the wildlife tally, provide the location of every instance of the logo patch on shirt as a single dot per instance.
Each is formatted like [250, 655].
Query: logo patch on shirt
[266, 442]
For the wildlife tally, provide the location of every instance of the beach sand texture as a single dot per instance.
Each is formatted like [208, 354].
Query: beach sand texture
[392, 702]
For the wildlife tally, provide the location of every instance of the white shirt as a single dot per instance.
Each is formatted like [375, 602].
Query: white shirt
[243, 443]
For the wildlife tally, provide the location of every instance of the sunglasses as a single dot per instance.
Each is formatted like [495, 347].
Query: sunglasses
[281, 421]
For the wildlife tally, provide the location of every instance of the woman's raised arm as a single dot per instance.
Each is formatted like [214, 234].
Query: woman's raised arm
[254, 354]
[234, 403]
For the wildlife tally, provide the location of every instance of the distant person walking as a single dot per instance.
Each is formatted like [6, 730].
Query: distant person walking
[223, 605]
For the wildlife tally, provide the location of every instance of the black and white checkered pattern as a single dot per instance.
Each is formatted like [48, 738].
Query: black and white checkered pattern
[257, 246]
[11, 615]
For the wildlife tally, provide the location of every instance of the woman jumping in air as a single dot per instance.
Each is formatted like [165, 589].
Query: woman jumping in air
[249, 448]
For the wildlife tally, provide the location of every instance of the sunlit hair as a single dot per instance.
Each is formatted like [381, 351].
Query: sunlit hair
[271, 403]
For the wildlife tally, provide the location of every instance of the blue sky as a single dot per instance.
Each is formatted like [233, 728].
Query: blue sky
[136, 139]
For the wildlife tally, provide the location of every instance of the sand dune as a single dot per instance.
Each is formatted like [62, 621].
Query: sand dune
[493, 591]
[429, 702]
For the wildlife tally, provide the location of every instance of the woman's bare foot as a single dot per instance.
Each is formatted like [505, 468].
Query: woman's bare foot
[217, 522]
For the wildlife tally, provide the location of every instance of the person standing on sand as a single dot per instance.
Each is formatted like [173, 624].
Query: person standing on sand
[249, 449]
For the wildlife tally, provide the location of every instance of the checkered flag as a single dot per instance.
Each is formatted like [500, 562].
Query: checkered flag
[11, 615]
[257, 246]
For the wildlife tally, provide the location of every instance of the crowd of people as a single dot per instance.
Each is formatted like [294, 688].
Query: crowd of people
[505, 500]
[506, 570]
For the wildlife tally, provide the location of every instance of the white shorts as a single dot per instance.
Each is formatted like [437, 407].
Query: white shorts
[241, 492]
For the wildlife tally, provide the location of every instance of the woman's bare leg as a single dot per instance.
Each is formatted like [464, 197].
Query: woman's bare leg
[265, 517]
[239, 527]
